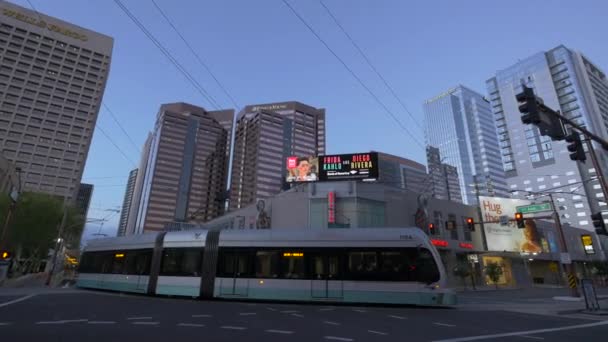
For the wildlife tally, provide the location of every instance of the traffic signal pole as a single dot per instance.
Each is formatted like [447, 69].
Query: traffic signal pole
[568, 268]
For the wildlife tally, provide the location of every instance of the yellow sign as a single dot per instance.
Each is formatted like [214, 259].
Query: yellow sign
[43, 24]
[119, 255]
[587, 244]
[553, 267]
[294, 255]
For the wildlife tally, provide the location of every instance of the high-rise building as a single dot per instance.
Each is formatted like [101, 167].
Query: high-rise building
[52, 78]
[138, 188]
[569, 82]
[185, 171]
[265, 136]
[443, 181]
[459, 123]
[83, 199]
[402, 173]
[126, 203]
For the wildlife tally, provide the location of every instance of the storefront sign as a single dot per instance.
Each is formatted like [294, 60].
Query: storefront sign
[331, 207]
[587, 244]
[507, 237]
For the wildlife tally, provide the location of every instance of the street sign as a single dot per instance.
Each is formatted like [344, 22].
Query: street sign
[565, 258]
[534, 208]
[504, 220]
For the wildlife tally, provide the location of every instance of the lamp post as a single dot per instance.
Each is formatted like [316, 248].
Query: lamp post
[567, 267]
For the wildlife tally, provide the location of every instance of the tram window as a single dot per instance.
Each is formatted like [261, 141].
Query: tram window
[235, 264]
[393, 266]
[142, 262]
[129, 265]
[293, 267]
[266, 264]
[426, 270]
[117, 263]
[181, 262]
[363, 265]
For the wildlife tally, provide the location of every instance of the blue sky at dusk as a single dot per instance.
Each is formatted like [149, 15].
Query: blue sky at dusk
[262, 53]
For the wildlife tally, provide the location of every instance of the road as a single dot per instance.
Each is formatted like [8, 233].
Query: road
[101, 316]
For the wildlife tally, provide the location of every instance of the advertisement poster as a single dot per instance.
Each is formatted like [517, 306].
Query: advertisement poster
[508, 237]
[302, 169]
[363, 166]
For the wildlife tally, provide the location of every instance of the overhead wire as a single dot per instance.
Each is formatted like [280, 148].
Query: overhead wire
[371, 65]
[116, 146]
[121, 127]
[201, 90]
[355, 76]
[196, 55]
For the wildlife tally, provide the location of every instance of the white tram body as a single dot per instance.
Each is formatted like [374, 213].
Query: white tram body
[379, 265]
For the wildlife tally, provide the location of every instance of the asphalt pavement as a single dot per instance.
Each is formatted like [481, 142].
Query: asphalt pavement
[100, 316]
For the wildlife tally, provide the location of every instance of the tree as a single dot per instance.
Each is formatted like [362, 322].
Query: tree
[494, 272]
[462, 270]
[600, 269]
[34, 226]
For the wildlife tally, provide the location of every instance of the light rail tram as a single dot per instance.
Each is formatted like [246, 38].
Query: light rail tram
[379, 265]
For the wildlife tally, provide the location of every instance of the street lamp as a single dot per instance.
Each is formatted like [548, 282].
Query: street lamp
[567, 267]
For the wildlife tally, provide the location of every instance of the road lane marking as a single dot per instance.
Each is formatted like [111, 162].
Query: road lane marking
[377, 332]
[136, 318]
[17, 300]
[63, 321]
[5, 323]
[359, 310]
[336, 338]
[146, 323]
[102, 322]
[201, 316]
[532, 337]
[326, 309]
[231, 327]
[520, 333]
[247, 313]
[290, 311]
[397, 317]
[272, 309]
[285, 332]
[443, 324]
[190, 325]
[297, 315]
[331, 323]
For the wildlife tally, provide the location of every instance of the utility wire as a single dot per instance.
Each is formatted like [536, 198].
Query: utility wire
[371, 65]
[121, 127]
[113, 143]
[196, 55]
[392, 115]
[169, 56]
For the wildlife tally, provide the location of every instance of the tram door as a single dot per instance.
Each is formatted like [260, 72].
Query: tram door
[326, 282]
[237, 266]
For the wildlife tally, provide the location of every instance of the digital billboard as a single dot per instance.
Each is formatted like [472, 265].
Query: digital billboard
[354, 166]
[302, 169]
[508, 237]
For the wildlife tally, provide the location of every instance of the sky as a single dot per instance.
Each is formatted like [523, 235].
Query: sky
[262, 53]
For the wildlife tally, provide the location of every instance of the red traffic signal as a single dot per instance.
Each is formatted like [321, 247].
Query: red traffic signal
[431, 228]
[519, 218]
[470, 224]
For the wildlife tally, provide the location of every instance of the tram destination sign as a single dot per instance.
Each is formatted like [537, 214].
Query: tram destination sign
[534, 208]
[356, 166]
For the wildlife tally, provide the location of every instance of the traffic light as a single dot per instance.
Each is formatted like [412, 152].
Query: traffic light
[575, 146]
[5, 255]
[431, 229]
[470, 224]
[598, 223]
[519, 217]
[528, 106]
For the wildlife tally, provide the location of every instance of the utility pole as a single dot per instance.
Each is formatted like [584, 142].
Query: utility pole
[483, 230]
[11, 210]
